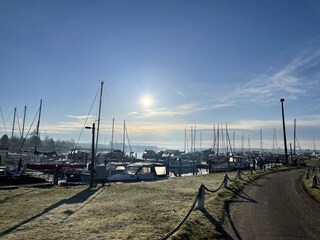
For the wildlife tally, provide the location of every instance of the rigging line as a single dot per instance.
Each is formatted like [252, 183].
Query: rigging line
[20, 130]
[24, 139]
[298, 145]
[128, 140]
[4, 124]
[76, 144]
[9, 116]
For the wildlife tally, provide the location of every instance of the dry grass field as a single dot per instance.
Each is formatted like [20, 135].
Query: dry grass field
[144, 210]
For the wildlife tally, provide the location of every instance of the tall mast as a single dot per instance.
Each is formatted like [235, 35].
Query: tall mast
[214, 137]
[234, 140]
[185, 140]
[38, 125]
[191, 138]
[294, 138]
[261, 145]
[218, 140]
[24, 120]
[98, 127]
[112, 135]
[14, 120]
[242, 143]
[194, 140]
[124, 135]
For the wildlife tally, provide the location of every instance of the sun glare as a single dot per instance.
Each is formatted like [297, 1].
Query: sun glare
[146, 101]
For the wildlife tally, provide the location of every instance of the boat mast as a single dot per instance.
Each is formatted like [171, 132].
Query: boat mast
[124, 135]
[14, 120]
[24, 120]
[185, 140]
[112, 136]
[98, 127]
[194, 140]
[261, 145]
[294, 138]
[38, 125]
[218, 140]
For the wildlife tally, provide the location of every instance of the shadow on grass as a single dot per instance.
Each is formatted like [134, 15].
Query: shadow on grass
[217, 225]
[17, 195]
[77, 198]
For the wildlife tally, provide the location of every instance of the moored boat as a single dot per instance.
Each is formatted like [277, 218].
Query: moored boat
[141, 171]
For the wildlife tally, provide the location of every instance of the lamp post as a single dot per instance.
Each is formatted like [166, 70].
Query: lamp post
[284, 134]
[92, 157]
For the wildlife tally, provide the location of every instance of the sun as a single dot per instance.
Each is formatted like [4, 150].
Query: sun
[146, 101]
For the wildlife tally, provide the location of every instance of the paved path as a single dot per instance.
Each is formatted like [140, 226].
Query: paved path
[273, 207]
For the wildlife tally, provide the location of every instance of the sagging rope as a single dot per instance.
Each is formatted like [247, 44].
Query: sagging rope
[233, 180]
[213, 191]
[172, 231]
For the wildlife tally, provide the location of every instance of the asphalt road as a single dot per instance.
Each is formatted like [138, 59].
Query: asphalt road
[273, 207]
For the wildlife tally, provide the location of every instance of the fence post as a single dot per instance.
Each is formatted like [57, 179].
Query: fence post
[225, 181]
[56, 175]
[314, 181]
[239, 174]
[201, 197]
[307, 174]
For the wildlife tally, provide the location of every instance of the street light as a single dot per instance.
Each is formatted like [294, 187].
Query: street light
[92, 157]
[284, 134]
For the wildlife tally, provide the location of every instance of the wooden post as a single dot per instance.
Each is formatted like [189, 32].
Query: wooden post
[225, 181]
[201, 197]
[239, 174]
[307, 174]
[314, 181]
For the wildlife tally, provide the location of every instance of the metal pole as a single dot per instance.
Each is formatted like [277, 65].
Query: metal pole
[92, 158]
[284, 133]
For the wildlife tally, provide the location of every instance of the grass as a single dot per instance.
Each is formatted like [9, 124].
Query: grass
[146, 210]
[313, 192]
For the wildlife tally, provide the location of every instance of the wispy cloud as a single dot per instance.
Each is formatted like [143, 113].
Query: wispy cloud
[181, 93]
[292, 81]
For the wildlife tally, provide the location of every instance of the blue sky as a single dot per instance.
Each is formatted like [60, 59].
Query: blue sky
[202, 63]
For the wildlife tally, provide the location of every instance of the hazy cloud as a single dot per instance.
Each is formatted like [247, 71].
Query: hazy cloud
[80, 117]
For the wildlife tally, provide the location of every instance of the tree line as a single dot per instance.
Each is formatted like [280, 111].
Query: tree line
[18, 145]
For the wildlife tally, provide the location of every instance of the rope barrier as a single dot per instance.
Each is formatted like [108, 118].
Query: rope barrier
[213, 191]
[245, 173]
[172, 231]
[233, 179]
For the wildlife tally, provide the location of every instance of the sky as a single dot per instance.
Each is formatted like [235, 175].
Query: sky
[168, 67]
